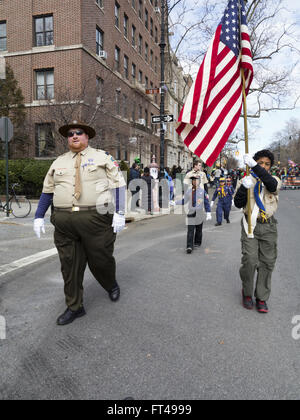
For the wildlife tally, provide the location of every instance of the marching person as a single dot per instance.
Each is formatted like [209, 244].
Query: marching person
[196, 200]
[259, 248]
[134, 173]
[224, 194]
[81, 185]
[199, 173]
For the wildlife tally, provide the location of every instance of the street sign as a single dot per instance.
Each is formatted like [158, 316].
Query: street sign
[155, 119]
[152, 91]
[6, 129]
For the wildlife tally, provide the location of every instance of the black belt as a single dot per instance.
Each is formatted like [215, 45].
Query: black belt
[75, 208]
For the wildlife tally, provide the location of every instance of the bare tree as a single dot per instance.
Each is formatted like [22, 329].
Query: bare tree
[286, 145]
[274, 40]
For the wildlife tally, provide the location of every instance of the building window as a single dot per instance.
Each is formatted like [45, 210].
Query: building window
[117, 59]
[141, 9]
[126, 62]
[44, 141]
[151, 59]
[140, 112]
[43, 27]
[118, 148]
[146, 82]
[156, 34]
[118, 108]
[3, 36]
[100, 3]
[133, 111]
[117, 15]
[133, 36]
[99, 87]
[146, 19]
[151, 26]
[125, 26]
[44, 84]
[99, 41]
[140, 44]
[146, 52]
[133, 72]
[140, 76]
[133, 3]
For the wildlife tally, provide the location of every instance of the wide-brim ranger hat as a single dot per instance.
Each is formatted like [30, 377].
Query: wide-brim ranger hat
[77, 124]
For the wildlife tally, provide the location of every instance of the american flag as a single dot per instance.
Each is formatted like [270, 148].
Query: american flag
[214, 103]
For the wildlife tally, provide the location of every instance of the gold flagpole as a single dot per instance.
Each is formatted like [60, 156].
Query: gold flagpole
[246, 148]
[245, 126]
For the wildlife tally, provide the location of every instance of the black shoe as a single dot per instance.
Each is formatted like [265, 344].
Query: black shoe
[247, 301]
[227, 220]
[218, 224]
[114, 293]
[261, 306]
[189, 250]
[197, 245]
[69, 316]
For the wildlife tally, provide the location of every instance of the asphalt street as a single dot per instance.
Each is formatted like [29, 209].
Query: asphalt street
[178, 332]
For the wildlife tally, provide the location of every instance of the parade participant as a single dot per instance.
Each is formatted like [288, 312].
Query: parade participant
[147, 197]
[259, 248]
[197, 171]
[196, 200]
[134, 173]
[82, 183]
[224, 194]
[217, 175]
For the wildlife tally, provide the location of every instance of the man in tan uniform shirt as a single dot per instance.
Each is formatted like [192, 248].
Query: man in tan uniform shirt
[83, 184]
[198, 173]
[259, 248]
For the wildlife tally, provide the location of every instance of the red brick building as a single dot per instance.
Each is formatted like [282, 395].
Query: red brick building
[85, 59]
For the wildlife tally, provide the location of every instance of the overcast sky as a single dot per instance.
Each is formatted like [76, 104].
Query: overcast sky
[262, 133]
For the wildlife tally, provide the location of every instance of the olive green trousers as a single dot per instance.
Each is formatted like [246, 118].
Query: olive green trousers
[259, 255]
[82, 238]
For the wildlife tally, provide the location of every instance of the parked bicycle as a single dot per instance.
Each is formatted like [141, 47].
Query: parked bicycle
[18, 205]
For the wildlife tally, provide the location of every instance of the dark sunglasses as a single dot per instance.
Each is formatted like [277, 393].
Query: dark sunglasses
[77, 132]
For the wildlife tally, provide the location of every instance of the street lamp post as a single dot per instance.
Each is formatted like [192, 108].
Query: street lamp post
[162, 88]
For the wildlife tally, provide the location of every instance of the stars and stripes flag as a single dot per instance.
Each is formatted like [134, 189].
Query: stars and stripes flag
[213, 105]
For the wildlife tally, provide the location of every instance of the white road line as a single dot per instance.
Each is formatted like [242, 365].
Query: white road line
[23, 262]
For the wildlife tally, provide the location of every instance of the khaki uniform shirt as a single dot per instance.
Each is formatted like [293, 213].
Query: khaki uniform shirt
[99, 174]
[201, 174]
[270, 200]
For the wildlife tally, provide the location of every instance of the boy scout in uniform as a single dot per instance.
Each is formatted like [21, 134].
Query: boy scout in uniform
[259, 248]
[80, 185]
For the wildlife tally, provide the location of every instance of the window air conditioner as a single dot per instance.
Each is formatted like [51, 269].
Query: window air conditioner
[141, 121]
[103, 54]
[157, 9]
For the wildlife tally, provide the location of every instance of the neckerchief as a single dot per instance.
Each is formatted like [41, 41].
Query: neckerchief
[257, 192]
[221, 191]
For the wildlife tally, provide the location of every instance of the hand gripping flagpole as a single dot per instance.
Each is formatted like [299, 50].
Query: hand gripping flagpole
[245, 131]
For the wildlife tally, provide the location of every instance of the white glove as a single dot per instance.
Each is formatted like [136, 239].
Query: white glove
[212, 204]
[118, 222]
[38, 226]
[208, 216]
[247, 182]
[248, 160]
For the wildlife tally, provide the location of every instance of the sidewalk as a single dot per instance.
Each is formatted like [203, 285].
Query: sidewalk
[130, 216]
